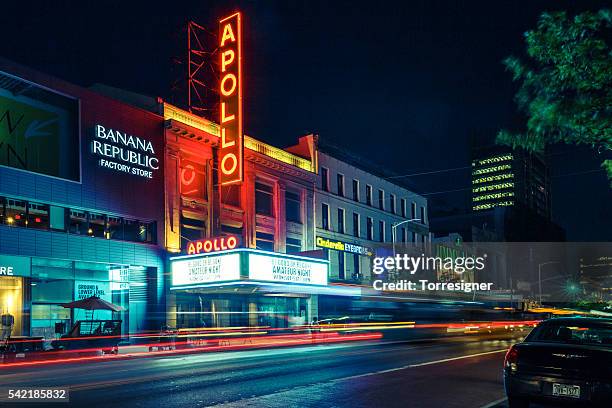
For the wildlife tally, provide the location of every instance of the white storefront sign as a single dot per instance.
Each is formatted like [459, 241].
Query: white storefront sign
[123, 152]
[207, 269]
[120, 278]
[85, 289]
[289, 270]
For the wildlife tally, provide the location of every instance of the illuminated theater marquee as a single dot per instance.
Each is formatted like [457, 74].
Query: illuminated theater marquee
[122, 152]
[230, 91]
[246, 266]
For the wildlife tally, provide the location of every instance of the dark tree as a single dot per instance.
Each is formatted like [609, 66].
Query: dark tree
[566, 84]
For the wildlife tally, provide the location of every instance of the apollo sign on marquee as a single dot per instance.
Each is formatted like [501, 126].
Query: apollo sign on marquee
[230, 91]
[212, 245]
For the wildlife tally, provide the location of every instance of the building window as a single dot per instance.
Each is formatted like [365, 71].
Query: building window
[356, 190]
[292, 207]
[403, 209]
[231, 230]
[341, 266]
[263, 199]
[413, 211]
[340, 185]
[114, 228]
[381, 199]
[369, 228]
[78, 222]
[230, 195]
[368, 194]
[293, 245]
[381, 231]
[192, 229]
[264, 241]
[403, 234]
[415, 237]
[422, 215]
[392, 203]
[38, 216]
[138, 231]
[356, 225]
[324, 179]
[21, 213]
[97, 225]
[15, 213]
[341, 220]
[325, 216]
[356, 268]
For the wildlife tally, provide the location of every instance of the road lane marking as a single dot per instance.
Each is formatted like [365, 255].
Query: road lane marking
[494, 403]
[456, 358]
[390, 370]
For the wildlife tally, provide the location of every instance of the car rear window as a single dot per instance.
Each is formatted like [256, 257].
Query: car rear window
[574, 332]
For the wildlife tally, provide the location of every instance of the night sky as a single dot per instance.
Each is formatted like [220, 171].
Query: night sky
[406, 84]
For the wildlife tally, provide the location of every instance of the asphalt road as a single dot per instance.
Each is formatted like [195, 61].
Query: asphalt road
[454, 372]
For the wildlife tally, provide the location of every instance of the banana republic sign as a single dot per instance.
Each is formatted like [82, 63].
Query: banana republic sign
[230, 91]
[123, 152]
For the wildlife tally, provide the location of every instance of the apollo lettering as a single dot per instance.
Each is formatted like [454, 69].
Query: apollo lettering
[230, 91]
[212, 245]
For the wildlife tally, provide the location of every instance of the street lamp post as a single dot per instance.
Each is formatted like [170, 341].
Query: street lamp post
[540, 265]
[394, 229]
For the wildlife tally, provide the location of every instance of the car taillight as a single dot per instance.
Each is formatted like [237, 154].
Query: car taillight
[511, 359]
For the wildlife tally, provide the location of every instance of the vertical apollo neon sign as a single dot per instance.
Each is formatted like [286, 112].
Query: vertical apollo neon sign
[230, 90]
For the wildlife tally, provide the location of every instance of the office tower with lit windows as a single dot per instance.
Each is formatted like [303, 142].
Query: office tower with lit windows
[502, 177]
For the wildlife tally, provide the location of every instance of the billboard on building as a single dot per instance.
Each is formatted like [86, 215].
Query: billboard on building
[230, 107]
[39, 129]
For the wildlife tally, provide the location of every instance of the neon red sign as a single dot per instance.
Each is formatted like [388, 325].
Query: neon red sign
[230, 91]
[212, 245]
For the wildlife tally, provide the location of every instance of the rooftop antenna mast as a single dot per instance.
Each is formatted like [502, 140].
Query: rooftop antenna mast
[202, 97]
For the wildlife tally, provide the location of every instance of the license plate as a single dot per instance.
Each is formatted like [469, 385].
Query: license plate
[565, 390]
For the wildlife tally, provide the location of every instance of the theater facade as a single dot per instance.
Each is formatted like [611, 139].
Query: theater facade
[240, 254]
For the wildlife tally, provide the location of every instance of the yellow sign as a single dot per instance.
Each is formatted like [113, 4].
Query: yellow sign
[344, 246]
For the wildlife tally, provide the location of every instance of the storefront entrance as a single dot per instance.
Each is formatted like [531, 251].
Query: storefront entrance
[195, 309]
[11, 301]
[36, 288]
